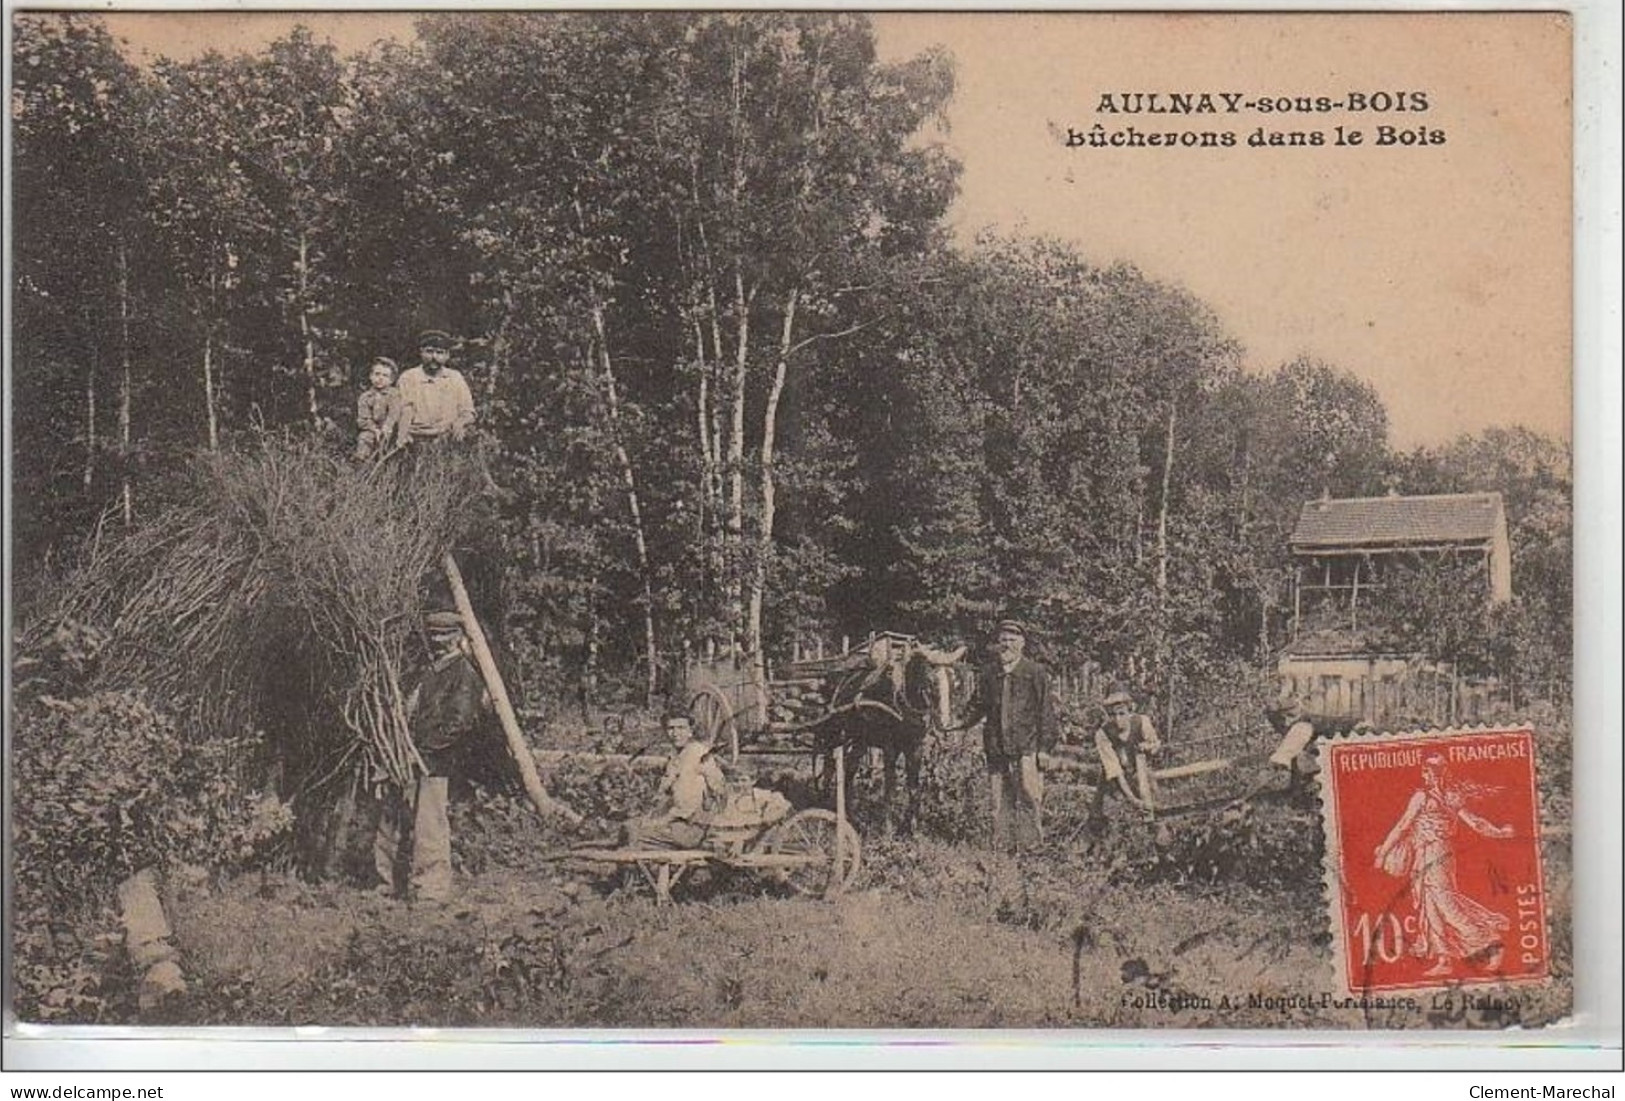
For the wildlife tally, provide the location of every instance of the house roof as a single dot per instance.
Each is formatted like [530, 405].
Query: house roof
[1389, 521]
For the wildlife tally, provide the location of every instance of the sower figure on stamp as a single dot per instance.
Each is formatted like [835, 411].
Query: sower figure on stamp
[694, 788]
[1422, 847]
[436, 401]
[1015, 706]
[1125, 743]
[448, 710]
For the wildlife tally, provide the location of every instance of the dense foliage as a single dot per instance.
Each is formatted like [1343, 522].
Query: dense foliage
[738, 384]
[735, 384]
[114, 787]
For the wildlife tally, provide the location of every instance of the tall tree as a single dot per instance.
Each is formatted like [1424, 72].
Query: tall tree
[204, 205]
[294, 108]
[77, 172]
[800, 176]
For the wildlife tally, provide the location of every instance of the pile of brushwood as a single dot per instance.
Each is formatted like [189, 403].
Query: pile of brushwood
[280, 597]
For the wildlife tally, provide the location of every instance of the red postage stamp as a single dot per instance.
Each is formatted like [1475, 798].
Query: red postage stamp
[1433, 859]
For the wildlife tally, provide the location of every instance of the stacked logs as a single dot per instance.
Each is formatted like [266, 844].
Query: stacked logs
[801, 700]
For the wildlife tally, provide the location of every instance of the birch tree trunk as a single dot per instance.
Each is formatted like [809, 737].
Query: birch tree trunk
[126, 386]
[305, 331]
[717, 357]
[211, 413]
[90, 415]
[769, 499]
[736, 454]
[651, 652]
[702, 424]
[742, 307]
[711, 526]
[208, 390]
[714, 546]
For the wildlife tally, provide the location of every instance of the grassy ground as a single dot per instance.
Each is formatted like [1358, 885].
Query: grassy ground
[935, 935]
[1207, 920]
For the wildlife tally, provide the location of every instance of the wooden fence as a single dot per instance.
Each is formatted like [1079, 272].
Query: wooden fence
[1392, 694]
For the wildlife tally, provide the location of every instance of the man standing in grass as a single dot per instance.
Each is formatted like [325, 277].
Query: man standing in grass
[447, 711]
[435, 399]
[1014, 703]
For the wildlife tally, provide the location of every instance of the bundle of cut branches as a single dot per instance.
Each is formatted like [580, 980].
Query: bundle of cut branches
[284, 559]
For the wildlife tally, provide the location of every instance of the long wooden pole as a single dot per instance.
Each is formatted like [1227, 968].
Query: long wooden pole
[544, 803]
[840, 818]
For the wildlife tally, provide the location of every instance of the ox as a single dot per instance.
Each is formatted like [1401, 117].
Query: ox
[903, 693]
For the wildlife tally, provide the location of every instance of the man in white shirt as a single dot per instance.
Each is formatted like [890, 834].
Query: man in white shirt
[436, 402]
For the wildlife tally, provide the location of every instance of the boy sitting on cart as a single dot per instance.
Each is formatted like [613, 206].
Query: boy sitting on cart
[702, 806]
[694, 788]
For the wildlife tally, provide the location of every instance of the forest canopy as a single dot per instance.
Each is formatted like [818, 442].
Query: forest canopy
[737, 381]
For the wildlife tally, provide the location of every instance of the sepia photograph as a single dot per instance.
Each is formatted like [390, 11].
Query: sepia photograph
[791, 520]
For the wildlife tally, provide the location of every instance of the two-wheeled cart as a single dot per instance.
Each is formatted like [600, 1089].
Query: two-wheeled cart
[812, 852]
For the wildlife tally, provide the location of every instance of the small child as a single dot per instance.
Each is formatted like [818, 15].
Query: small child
[378, 412]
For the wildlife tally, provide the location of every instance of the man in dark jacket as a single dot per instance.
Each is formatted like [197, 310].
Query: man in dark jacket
[447, 710]
[1014, 704]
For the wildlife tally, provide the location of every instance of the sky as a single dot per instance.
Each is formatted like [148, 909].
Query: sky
[1439, 273]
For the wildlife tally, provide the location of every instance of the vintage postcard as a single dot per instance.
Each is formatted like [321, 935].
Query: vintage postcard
[792, 520]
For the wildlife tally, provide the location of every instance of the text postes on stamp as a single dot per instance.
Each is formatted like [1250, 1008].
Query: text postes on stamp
[1433, 859]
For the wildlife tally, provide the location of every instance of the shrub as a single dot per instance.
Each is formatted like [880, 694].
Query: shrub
[953, 804]
[1260, 845]
[113, 787]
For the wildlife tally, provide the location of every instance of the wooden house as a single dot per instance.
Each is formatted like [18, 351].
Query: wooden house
[1344, 551]
[1343, 548]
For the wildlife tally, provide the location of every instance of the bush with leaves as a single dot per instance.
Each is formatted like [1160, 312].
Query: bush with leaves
[112, 788]
[1262, 845]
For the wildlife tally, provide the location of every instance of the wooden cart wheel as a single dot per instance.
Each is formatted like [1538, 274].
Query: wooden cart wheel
[713, 720]
[812, 833]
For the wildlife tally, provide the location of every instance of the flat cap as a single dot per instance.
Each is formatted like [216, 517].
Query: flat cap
[1013, 626]
[434, 338]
